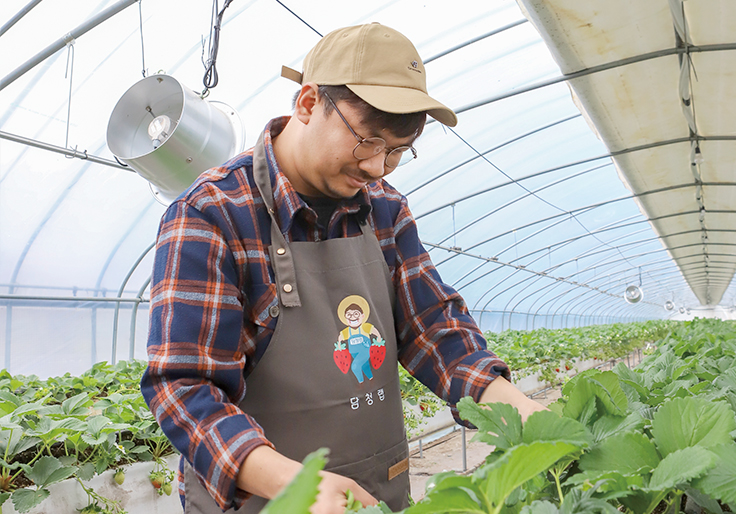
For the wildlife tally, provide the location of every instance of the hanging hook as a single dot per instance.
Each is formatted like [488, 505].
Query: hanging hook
[70, 73]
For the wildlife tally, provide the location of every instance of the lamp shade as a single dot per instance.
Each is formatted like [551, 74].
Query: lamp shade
[633, 294]
[169, 134]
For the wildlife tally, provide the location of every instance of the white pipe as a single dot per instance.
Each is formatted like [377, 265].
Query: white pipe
[64, 40]
[12, 21]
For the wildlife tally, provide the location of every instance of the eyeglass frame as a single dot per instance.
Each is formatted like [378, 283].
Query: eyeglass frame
[362, 139]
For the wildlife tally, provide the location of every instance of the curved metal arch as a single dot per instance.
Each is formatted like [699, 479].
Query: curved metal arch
[497, 209]
[541, 297]
[475, 40]
[491, 150]
[564, 242]
[515, 181]
[597, 69]
[537, 291]
[538, 231]
[548, 248]
[501, 292]
[591, 251]
[580, 210]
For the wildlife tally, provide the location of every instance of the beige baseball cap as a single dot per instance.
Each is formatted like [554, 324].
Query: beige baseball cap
[377, 63]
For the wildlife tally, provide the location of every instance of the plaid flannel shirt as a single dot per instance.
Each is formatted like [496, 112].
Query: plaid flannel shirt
[211, 292]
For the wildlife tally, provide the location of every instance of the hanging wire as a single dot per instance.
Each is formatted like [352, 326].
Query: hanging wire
[143, 47]
[70, 73]
[299, 18]
[210, 74]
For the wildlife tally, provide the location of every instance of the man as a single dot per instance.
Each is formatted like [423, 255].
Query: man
[258, 262]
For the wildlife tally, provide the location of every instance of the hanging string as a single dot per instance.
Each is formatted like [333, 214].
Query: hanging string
[143, 47]
[210, 74]
[70, 73]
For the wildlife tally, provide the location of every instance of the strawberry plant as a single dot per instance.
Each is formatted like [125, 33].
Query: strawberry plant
[68, 426]
[635, 441]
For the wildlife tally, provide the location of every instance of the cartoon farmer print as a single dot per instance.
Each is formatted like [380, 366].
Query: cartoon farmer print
[360, 343]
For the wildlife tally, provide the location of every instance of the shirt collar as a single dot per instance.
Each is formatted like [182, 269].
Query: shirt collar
[287, 201]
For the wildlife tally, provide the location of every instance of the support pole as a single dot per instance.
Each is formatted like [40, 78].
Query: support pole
[465, 450]
[15, 19]
[64, 40]
[68, 152]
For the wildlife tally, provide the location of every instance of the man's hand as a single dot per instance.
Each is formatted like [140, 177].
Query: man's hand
[501, 390]
[265, 472]
[333, 490]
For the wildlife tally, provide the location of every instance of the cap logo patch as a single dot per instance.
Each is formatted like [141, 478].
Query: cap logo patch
[414, 67]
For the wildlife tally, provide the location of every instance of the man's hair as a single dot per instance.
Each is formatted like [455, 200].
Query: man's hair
[400, 125]
[354, 307]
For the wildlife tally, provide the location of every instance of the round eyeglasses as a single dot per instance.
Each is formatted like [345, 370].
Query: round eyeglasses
[372, 146]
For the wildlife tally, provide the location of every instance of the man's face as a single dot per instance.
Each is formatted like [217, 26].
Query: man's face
[329, 167]
[354, 318]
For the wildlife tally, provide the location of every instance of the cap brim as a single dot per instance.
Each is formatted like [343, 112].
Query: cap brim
[404, 100]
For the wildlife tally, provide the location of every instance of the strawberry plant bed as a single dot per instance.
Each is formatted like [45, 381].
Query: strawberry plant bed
[654, 439]
[74, 428]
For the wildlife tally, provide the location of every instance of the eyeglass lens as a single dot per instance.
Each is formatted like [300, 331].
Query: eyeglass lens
[371, 146]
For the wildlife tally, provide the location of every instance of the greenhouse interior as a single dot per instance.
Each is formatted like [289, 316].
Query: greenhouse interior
[583, 194]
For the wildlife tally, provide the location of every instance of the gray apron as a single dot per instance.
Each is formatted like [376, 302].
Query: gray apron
[329, 376]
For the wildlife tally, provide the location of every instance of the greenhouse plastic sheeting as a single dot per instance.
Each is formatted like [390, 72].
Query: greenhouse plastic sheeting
[520, 206]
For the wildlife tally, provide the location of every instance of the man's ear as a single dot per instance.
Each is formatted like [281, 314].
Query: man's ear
[307, 102]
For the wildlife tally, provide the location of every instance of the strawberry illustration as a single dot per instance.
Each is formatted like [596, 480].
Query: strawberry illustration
[378, 353]
[342, 356]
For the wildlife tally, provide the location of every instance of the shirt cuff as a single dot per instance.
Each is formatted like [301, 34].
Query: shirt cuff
[472, 376]
[220, 455]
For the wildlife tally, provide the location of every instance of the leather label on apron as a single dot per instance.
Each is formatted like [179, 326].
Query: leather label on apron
[398, 468]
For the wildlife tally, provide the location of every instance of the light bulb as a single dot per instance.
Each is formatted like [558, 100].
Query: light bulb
[669, 305]
[698, 157]
[159, 129]
[633, 294]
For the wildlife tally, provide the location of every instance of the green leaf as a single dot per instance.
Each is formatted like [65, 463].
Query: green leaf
[499, 424]
[521, 463]
[540, 507]
[76, 405]
[25, 499]
[608, 426]
[86, 471]
[720, 482]
[9, 397]
[48, 470]
[548, 426]
[704, 501]
[449, 500]
[625, 453]
[681, 466]
[684, 422]
[301, 493]
[602, 385]
[3, 498]
[583, 502]
[609, 482]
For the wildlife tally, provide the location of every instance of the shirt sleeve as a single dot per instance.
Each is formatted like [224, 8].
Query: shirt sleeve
[439, 342]
[194, 380]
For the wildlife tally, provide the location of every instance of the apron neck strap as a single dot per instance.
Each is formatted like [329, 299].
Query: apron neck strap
[281, 259]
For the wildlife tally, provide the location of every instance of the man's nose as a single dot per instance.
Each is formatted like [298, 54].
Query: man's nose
[374, 166]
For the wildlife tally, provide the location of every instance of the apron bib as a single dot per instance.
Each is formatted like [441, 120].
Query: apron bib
[329, 376]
